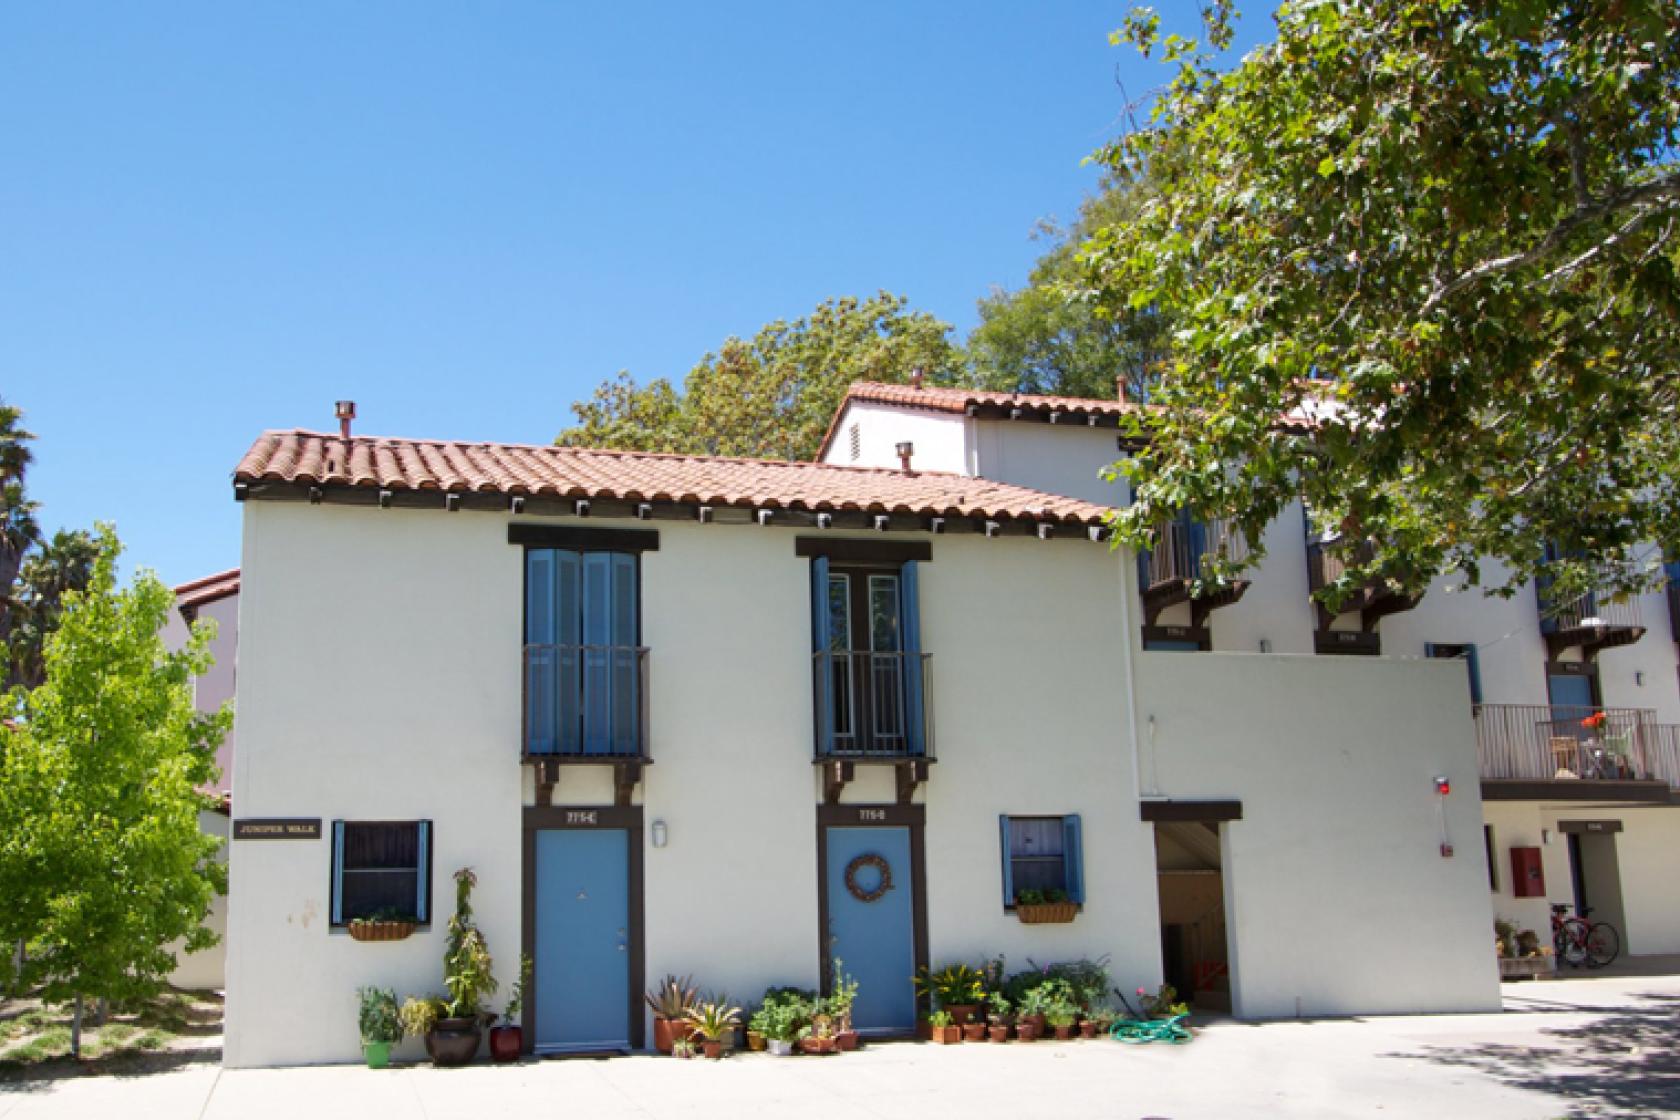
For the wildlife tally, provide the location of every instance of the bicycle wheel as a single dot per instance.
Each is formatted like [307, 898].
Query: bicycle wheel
[1570, 942]
[1603, 943]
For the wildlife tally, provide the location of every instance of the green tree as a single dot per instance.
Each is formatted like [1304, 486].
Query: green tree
[1050, 336]
[102, 864]
[771, 396]
[1441, 234]
[50, 572]
[18, 530]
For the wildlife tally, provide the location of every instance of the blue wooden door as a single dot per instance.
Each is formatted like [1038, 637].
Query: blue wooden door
[1570, 690]
[876, 939]
[581, 966]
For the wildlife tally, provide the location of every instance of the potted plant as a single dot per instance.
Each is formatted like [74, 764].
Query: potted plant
[997, 1016]
[507, 1041]
[1031, 1014]
[682, 1048]
[943, 1030]
[1060, 1010]
[388, 924]
[453, 1026]
[781, 1016]
[1164, 1004]
[1036, 907]
[670, 1002]
[711, 1021]
[817, 1036]
[380, 1025]
[956, 988]
[843, 992]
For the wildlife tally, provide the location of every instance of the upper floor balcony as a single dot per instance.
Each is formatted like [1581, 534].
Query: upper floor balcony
[1328, 562]
[585, 703]
[1594, 621]
[1169, 572]
[872, 706]
[1537, 742]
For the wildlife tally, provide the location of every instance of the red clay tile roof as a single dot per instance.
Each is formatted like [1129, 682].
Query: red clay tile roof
[377, 462]
[198, 592]
[1032, 406]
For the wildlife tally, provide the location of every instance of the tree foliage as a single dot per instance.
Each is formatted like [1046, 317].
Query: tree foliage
[18, 529]
[102, 864]
[1048, 336]
[50, 572]
[1445, 233]
[771, 396]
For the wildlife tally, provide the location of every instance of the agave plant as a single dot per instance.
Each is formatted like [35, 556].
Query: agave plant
[674, 997]
[711, 1020]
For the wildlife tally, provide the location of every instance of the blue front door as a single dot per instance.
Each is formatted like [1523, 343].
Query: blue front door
[876, 939]
[581, 966]
[1570, 690]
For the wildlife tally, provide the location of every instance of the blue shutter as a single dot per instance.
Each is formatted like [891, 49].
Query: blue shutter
[1008, 871]
[423, 873]
[568, 618]
[822, 660]
[338, 873]
[1073, 858]
[1195, 545]
[541, 658]
[1475, 674]
[597, 655]
[626, 682]
[910, 627]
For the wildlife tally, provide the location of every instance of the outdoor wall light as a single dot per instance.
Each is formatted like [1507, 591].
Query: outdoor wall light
[659, 834]
[1442, 785]
[1545, 836]
[1639, 678]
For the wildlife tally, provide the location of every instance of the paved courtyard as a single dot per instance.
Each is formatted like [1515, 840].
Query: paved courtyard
[1608, 1046]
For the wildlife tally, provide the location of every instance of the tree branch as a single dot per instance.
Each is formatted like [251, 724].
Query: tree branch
[1665, 188]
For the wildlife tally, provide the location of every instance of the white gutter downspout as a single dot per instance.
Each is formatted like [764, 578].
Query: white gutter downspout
[1128, 582]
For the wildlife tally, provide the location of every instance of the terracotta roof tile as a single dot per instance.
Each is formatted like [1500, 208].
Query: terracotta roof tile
[378, 462]
[207, 589]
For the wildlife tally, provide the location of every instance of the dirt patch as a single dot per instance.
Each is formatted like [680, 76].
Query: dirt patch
[175, 1028]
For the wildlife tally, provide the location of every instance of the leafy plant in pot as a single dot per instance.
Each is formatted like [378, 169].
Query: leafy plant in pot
[782, 1015]
[670, 1002]
[1061, 1010]
[1033, 1006]
[710, 1022]
[944, 1031]
[997, 1017]
[843, 992]
[508, 1040]
[453, 1026]
[380, 1025]
[957, 988]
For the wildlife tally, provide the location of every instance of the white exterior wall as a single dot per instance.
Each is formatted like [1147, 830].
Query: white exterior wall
[939, 438]
[206, 970]
[1334, 760]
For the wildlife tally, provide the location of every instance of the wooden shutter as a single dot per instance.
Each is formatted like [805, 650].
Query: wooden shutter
[337, 905]
[1008, 870]
[910, 629]
[822, 657]
[1073, 858]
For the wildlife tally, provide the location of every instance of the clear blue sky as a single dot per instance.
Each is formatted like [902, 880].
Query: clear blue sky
[218, 218]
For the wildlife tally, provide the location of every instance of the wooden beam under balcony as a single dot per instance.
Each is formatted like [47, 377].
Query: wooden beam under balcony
[1158, 596]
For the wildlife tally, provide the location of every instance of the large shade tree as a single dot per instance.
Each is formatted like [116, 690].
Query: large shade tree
[1441, 234]
[773, 395]
[102, 863]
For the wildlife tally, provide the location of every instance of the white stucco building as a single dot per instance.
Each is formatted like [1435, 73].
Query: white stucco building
[215, 598]
[733, 718]
[1574, 814]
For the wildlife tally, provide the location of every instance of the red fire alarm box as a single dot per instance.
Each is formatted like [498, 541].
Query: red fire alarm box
[1527, 879]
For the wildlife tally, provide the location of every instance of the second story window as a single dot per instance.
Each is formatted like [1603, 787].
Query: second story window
[584, 665]
[870, 671]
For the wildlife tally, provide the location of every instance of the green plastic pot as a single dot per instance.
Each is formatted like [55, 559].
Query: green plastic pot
[378, 1054]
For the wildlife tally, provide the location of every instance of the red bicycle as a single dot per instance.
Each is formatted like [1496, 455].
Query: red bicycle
[1580, 940]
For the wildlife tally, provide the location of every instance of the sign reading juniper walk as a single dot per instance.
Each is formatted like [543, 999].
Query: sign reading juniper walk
[278, 828]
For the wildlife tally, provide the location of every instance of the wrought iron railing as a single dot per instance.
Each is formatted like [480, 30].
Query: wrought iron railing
[1596, 610]
[1662, 753]
[872, 705]
[585, 701]
[1537, 741]
[1183, 547]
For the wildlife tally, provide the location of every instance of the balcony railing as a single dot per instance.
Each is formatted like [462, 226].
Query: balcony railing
[1662, 751]
[1182, 549]
[1329, 561]
[1594, 621]
[586, 702]
[1539, 742]
[872, 705]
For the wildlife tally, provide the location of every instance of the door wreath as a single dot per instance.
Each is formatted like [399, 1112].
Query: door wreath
[879, 863]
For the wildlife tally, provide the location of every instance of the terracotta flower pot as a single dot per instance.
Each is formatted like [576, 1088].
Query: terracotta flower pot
[961, 1013]
[999, 1032]
[947, 1036]
[1065, 1032]
[506, 1043]
[846, 1040]
[974, 1031]
[1026, 1030]
[814, 1045]
[664, 1033]
[755, 1041]
[713, 1048]
[1087, 1029]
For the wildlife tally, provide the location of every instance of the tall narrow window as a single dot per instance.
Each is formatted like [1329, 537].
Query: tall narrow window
[582, 655]
[869, 664]
[381, 869]
[1042, 858]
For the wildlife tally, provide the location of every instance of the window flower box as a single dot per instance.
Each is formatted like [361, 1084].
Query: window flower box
[1035, 913]
[367, 929]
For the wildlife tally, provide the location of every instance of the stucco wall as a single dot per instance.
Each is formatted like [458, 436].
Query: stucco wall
[1338, 898]
[207, 969]
[939, 438]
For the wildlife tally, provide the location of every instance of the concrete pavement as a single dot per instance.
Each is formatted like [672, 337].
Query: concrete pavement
[1595, 1047]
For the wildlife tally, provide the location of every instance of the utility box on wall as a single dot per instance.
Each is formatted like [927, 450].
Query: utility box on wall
[1528, 880]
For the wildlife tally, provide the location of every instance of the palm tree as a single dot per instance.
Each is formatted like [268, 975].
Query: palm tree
[54, 569]
[18, 530]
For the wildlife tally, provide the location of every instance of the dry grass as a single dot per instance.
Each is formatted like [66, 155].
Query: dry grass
[35, 1039]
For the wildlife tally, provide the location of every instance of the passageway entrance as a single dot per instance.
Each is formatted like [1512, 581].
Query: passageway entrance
[1194, 949]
